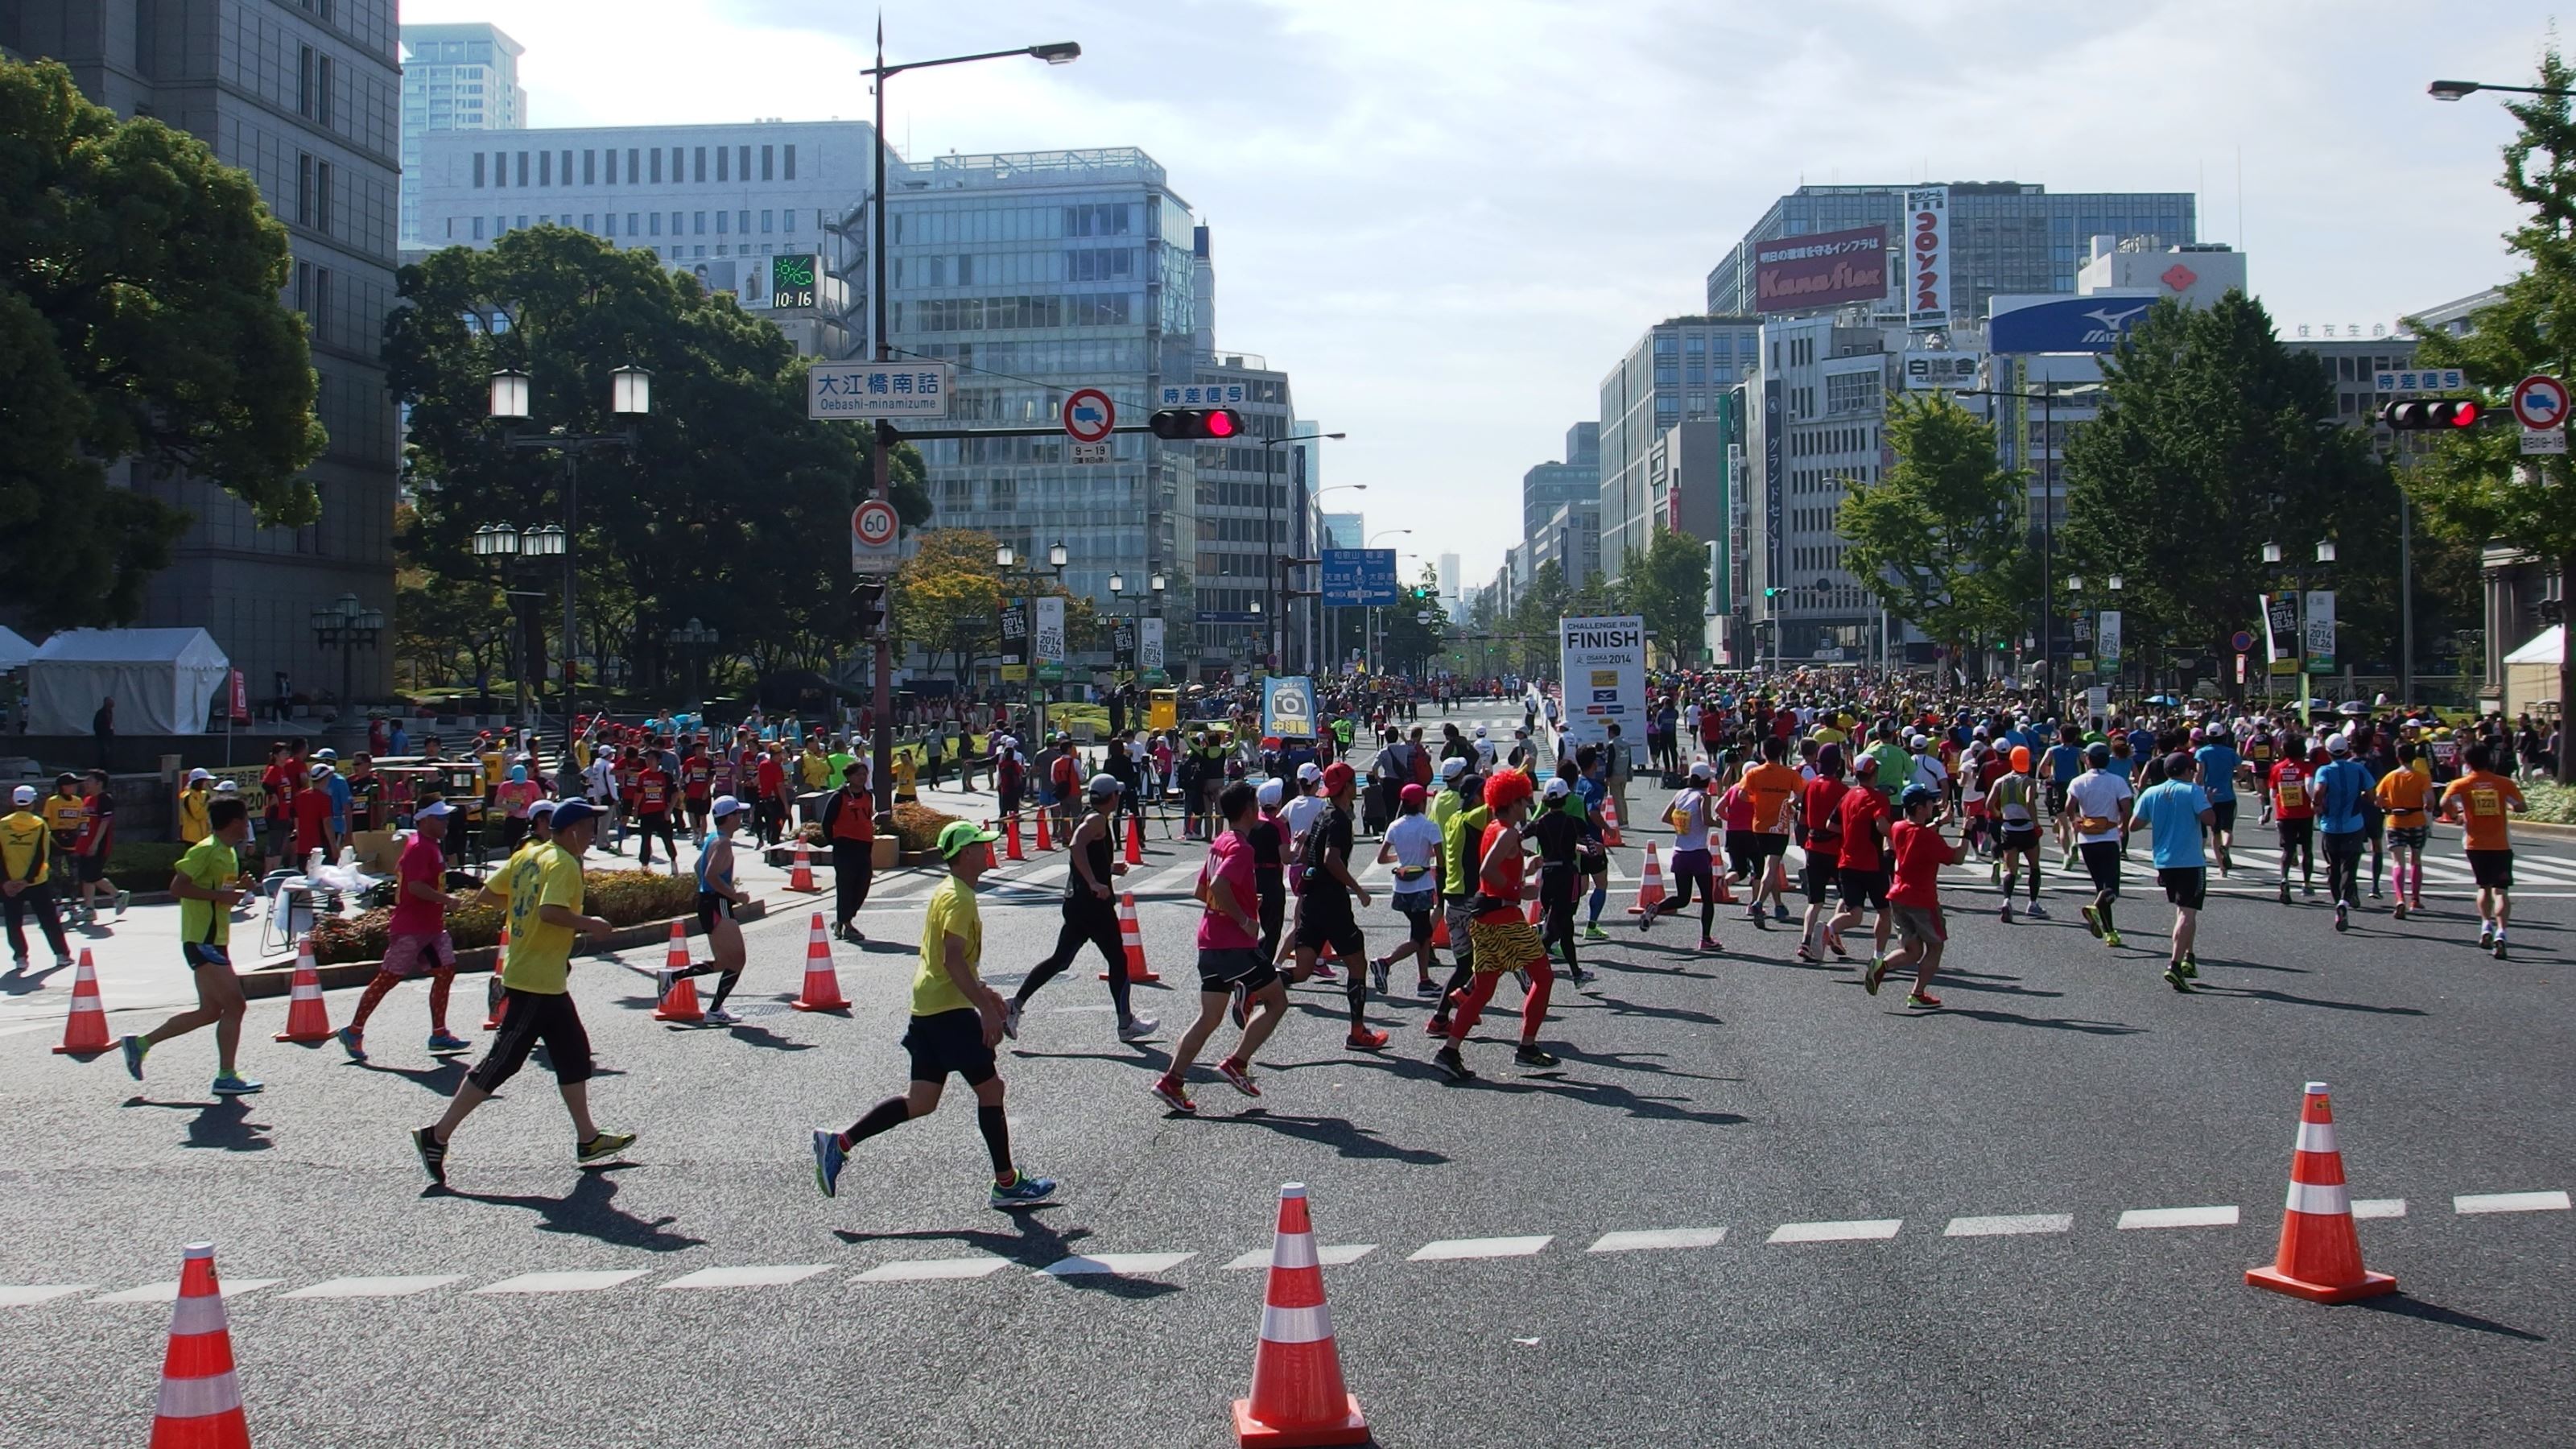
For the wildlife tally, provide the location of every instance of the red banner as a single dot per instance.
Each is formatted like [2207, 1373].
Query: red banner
[1827, 269]
[239, 702]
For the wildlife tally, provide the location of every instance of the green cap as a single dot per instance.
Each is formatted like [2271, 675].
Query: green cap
[956, 835]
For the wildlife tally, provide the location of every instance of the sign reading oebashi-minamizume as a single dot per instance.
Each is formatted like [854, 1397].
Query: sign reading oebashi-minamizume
[1927, 257]
[1602, 662]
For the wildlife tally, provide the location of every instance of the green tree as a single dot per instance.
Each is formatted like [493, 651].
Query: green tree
[2213, 440]
[1937, 539]
[1667, 586]
[732, 507]
[2475, 487]
[1534, 616]
[139, 319]
[1415, 629]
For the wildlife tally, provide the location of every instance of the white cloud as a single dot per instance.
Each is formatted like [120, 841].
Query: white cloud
[1449, 220]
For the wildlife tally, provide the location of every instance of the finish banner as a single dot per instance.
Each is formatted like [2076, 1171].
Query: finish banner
[1602, 663]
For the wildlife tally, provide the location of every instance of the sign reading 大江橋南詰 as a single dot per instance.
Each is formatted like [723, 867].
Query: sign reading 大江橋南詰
[910, 389]
[1288, 706]
[1602, 662]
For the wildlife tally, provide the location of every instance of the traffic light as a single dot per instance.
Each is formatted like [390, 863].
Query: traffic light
[871, 596]
[1772, 593]
[2431, 415]
[1197, 423]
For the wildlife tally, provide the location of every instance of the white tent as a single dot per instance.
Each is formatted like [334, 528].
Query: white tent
[2531, 674]
[163, 680]
[15, 651]
[2545, 648]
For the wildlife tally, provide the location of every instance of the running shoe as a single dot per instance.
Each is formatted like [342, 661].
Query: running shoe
[433, 1153]
[1646, 919]
[1323, 972]
[2190, 967]
[1174, 1095]
[1531, 1054]
[606, 1144]
[1834, 943]
[1238, 1075]
[234, 1084]
[17, 963]
[2036, 911]
[1365, 1040]
[1576, 974]
[2499, 946]
[354, 1042]
[2111, 939]
[134, 1047]
[828, 1157]
[1592, 932]
[2175, 979]
[2285, 890]
[1709, 943]
[2486, 938]
[1876, 973]
[664, 978]
[2308, 889]
[1779, 912]
[2005, 915]
[1139, 1028]
[2401, 910]
[1011, 1020]
[1448, 1060]
[718, 1016]
[2374, 893]
[448, 1043]
[1804, 953]
[1022, 1191]
[2093, 921]
[1377, 976]
[1234, 1008]
[1523, 978]
[123, 899]
[1426, 987]
[1922, 1001]
[1436, 1026]
[2343, 916]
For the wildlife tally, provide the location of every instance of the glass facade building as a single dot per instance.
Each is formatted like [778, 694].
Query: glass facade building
[1681, 369]
[455, 78]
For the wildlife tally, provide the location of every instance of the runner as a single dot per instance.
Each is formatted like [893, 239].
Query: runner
[545, 890]
[850, 827]
[2478, 802]
[1773, 788]
[2219, 762]
[1412, 845]
[1593, 790]
[1558, 829]
[697, 785]
[207, 882]
[1915, 898]
[956, 1022]
[1504, 941]
[1325, 923]
[718, 899]
[2058, 769]
[1689, 815]
[1268, 838]
[2016, 831]
[654, 806]
[1820, 839]
[27, 858]
[1230, 959]
[1860, 869]
[1090, 913]
[2342, 788]
[2099, 800]
[97, 839]
[416, 939]
[2294, 815]
[1459, 836]
[2177, 811]
[2402, 794]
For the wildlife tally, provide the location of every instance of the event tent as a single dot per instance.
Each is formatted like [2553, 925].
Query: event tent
[163, 680]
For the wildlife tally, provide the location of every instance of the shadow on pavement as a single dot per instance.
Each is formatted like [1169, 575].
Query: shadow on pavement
[223, 1124]
[1617, 1006]
[19, 982]
[2015, 1018]
[764, 1038]
[1035, 1246]
[2259, 993]
[587, 1211]
[441, 1078]
[2405, 1306]
[1335, 1132]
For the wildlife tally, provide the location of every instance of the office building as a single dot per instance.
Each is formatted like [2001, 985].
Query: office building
[2004, 236]
[1248, 512]
[307, 99]
[1686, 482]
[1448, 567]
[454, 78]
[1814, 417]
[1344, 530]
[1680, 369]
[1550, 486]
[1570, 539]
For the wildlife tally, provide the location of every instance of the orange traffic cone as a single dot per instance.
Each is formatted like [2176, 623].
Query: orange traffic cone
[1298, 1397]
[682, 1004]
[801, 877]
[1132, 937]
[200, 1405]
[1650, 885]
[1011, 838]
[85, 1030]
[1135, 840]
[1610, 821]
[2320, 1256]
[1536, 912]
[495, 996]
[1044, 843]
[822, 979]
[1440, 933]
[307, 1019]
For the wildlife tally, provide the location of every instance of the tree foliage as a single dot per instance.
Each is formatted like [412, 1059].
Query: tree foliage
[139, 319]
[731, 508]
[948, 602]
[1667, 586]
[1415, 629]
[1533, 650]
[1937, 540]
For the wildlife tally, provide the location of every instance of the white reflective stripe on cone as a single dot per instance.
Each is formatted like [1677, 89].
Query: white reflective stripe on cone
[198, 1315]
[1293, 1250]
[2330, 1199]
[1296, 1325]
[199, 1398]
[2316, 1137]
[307, 991]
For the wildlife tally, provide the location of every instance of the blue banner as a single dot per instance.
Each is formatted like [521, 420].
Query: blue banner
[1359, 576]
[1288, 706]
[2076, 324]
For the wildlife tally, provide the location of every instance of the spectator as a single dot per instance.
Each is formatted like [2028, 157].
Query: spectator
[102, 728]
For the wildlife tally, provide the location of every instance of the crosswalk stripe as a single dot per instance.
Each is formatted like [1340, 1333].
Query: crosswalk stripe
[381, 1287]
[2379, 1207]
[1124, 1265]
[169, 1292]
[2509, 1202]
[754, 1277]
[924, 1270]
[573, 1282]
[26, 1295]
[1856, 1230]
[1331, 1256]
[1636, 1242]
[2009, 1226]
[1448, 1249]
[2184, 1217]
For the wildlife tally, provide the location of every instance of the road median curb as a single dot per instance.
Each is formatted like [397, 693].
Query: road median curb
[278, 980]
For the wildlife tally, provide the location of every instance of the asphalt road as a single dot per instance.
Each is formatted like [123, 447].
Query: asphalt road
[1848, 1223]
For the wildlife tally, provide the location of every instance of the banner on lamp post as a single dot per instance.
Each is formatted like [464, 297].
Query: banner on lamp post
[2321, 631]
[1047, 640]
[1149, 646]
[2281, 633]
[2107, 640]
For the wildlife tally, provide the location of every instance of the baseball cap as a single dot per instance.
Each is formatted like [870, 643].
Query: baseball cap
[1865, 764]
[2338, 745]
[1271, 792]
[195, 775]
[543, 807]
[1699, 770]
[1557, 789]
[722, 806]
[1452, 767]
[2177, 762]
[956, 835]
[2098, 753]
[321, 769]
[1338, 777]
[326, 753]
[1917, 795]
[573, 812]
[1480, 732]
[434, 810]
[1412, 795]
[23, 795]
[227, 787]
[1106, 785]
[1310, 771]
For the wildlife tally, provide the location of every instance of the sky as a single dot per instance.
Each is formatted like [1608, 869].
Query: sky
[1448, 221]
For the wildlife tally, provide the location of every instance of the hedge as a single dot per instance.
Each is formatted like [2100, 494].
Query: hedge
[624, 897]
[139, 865]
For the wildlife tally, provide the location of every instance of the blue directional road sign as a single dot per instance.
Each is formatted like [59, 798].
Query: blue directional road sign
[1359, 576]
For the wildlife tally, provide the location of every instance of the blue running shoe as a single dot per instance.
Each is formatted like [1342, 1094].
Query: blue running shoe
[134, 1048]
[828, 1158]
[448, 1043]
[234, 1084]
[1023, 1191]
[354, 1042]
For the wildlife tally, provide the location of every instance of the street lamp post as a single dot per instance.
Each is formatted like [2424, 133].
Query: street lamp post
[2298, 576]
[691, 639]
[1062, 52]
[347, 624]
[1006, 558]
[1277, 637]
[630, 398]
[2457, 90]
[1368, 630]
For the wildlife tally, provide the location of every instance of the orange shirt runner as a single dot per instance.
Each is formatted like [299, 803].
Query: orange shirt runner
[2479, 799]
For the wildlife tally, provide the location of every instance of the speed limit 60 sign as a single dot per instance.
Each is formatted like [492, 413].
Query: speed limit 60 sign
[874, 533]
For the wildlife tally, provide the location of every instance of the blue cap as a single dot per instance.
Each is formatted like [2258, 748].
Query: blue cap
[573, 812]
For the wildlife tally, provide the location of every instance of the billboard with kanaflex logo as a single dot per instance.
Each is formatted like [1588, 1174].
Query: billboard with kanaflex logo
[1826, 269]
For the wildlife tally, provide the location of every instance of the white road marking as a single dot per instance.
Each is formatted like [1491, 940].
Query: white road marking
[1449, 1248]
[1125, 1265]
[1331, 1255]
[2188, 1217]
[1638, 1242]
[1858, 1230]
[2010, 1225]
[23, 1295]
[924, 1270]
[757, 1277]
[2510, 1202]
[2379, 1207]
[575, 1282]
[169, 1292]
[392, 1287]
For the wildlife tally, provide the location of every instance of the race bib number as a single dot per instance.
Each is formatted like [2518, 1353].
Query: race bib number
[2486, 801]
[2293, 794]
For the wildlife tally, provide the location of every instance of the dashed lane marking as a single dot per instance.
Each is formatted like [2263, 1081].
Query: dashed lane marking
[1450, 1248]
[757, 1277]
[577, 1282]
[1638, 1242]
[389, 1287]
[2510, 1202]
[2010, 1225]
[2183, 1217]
[1859, 1230]
[169, 1292]
[1332, 1255]
[1123, 1265]
[2379, 1207]
[29, 1294]
[927, 1270]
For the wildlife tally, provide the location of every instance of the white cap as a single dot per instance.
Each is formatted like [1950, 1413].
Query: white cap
[1452, 767]
[196, 775]
[435, 809]
[542, 807]
[1112, 785]
[1557, 789]
[1271, 792]
[722, 806]
[1699, 770]
[24, 795]
[1480, 732]
[1310, 772]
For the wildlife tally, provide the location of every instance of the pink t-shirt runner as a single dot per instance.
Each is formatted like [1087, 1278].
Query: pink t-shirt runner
[423, 862]
[1229, 860]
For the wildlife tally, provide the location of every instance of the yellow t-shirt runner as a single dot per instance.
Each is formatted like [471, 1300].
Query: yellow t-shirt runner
[541, 955]
[26, 848]
[953, 912]
[213, 865]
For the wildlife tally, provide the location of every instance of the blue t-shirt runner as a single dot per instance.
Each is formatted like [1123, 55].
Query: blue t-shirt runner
[2172, 812]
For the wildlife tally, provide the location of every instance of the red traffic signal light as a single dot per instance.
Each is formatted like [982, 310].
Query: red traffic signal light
[1197, 423]
[2431, 415]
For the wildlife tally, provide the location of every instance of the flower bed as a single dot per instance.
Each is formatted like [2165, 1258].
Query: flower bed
[623, 897]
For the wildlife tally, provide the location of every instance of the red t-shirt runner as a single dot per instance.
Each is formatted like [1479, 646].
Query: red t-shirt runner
[652, 790]
[1511, 872]
[1862, 810]
[2291, 799]
[1822, 829]
[1920, 854]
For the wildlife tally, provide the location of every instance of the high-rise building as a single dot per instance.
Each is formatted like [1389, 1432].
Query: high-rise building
[1448, 566]
[1547, 487]
[455, 78]
[1814, 422]
[1247, 513]
[1681, 368]
[1571, 540]
[2004, 236]
[306, 98]
[1345, 530]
